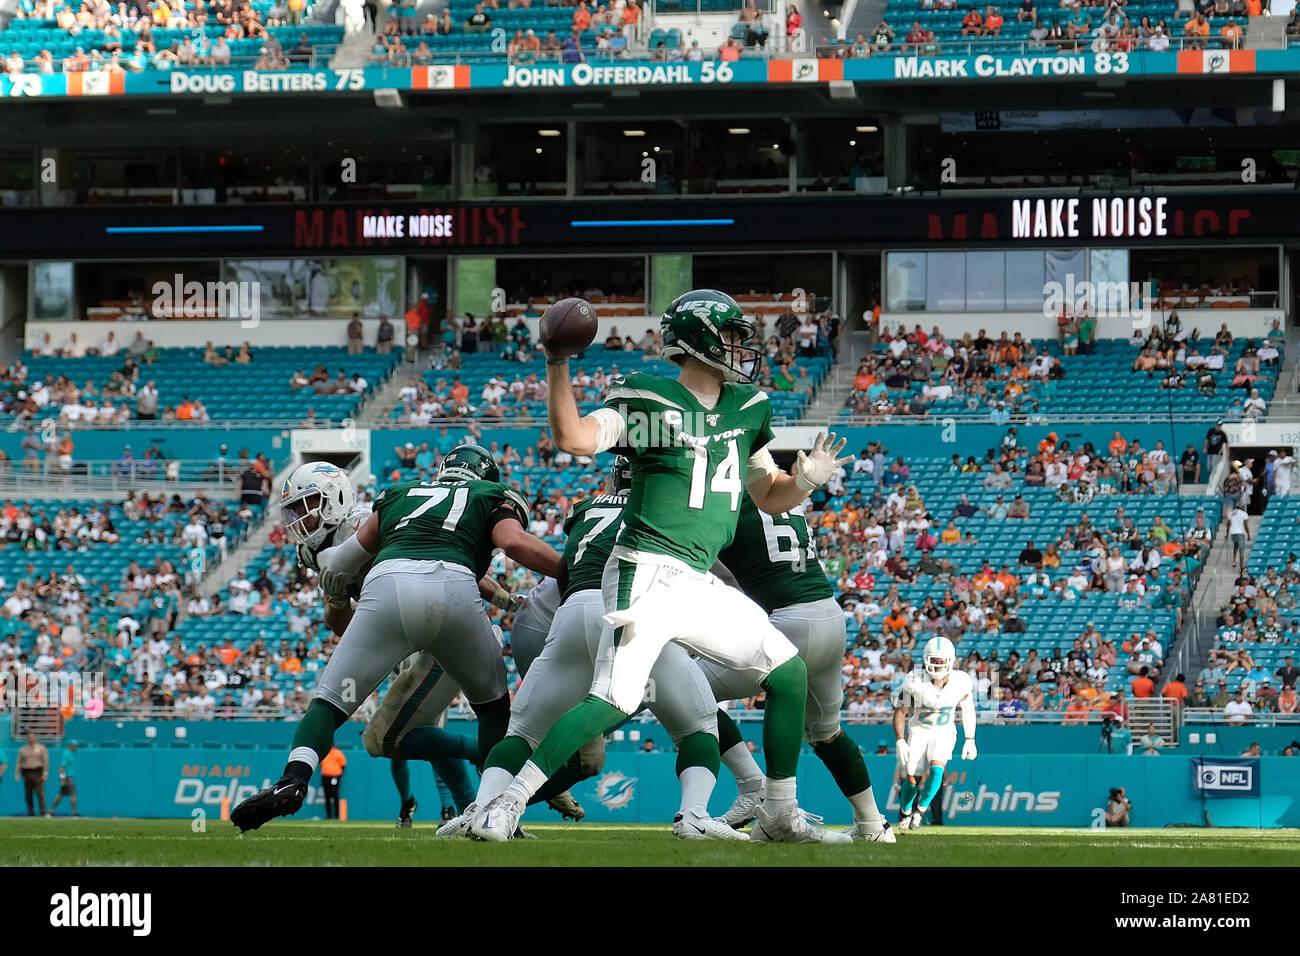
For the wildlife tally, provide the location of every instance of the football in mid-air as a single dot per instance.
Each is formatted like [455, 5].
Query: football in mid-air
[568, 327]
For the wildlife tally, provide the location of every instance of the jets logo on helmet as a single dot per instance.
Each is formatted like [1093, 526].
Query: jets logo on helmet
[469, 463]
[315, 500]
[939, 657]
[710, 326]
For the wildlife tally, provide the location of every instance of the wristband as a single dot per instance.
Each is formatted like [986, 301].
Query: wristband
[563, 361]
[804, 484]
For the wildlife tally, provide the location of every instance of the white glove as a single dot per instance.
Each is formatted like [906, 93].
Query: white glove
[341, 565]
[503, 599]
[904, 752]
[814, 470]
[968, 751]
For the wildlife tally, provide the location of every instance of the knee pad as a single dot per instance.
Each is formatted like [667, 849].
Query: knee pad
[591, 756]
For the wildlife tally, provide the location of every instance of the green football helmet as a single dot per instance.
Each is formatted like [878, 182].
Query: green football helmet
[469, 463]
[694, 325]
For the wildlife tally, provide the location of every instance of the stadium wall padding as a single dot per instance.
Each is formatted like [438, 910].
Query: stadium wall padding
[1025, 790]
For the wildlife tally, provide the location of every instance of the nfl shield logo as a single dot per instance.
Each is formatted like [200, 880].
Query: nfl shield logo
[712, 420]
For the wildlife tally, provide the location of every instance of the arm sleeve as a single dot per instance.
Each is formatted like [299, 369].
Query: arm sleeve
[612, 428]
[968, 715]
[761, 465]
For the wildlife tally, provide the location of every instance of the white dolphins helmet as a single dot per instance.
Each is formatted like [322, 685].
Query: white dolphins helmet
[939, 657]
[314, 501]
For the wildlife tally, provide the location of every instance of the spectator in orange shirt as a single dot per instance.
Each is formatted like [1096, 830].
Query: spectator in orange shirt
[459, 391]
[1253, 8]
[1117, 446]
[1176, 689]
[228, 653]
[1077, 711]
[331, 774]
[1048, 445]
[185, 411]
[1231, 34]
[631, 17]
[581, 17]
[972, 24]
[1143, 686]
[993, 27]
[895, 624]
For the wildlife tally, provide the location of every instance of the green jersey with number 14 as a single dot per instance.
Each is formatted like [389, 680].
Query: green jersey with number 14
[591, 527]
[774, 559]
[448, 521]
[688, 464]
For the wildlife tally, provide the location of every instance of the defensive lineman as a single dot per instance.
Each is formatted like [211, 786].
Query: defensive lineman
[924, 707]
[427, 545]
[774, 560]
[695, 444]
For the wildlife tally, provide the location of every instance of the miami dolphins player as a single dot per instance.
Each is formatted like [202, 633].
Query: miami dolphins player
[427, 545]
[319, 508]
[924, 706]
[773, 559]
[695, 444]
[562, 673]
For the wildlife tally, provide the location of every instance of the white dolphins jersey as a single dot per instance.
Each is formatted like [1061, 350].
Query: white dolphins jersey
[933, 708]
[354, 519]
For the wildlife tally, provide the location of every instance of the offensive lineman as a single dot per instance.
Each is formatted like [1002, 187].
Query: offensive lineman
[563, 672]
[924, 706]
[695, 444]
[427, 545]
[773, 559]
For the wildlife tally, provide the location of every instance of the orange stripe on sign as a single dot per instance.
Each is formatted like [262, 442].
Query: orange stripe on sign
[463, 76]
[828, 70]
[420, 78]
[780, 71]
[117, 81]
[1191, 61]
[1241, 61]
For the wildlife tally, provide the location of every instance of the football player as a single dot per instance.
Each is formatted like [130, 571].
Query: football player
[427, 545]
[695, 444]
[563, 672]
[924, 706]
[773, 559]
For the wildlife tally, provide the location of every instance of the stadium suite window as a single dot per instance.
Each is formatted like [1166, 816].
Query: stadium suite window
[966, 281]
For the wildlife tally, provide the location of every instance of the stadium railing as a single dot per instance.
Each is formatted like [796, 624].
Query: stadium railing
[1198, 715]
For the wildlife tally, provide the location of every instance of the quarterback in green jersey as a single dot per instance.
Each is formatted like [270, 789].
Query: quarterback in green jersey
[773, 559]
[427, 544]
[696, 444]
[559, 677]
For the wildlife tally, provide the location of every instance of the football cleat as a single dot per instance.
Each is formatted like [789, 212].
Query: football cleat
[696, 824]
[566, 806]
[793, 826]
[872, 833]
[498, 821]
[904, 821]
[458, 826]
[448, 813]
[743, 809]
[408, 809]
[522, 834]
[282, 798]
[916, 819]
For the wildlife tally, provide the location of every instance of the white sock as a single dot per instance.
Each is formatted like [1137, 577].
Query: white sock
[526, 783]
[493, 784]
[778, 795]
[743, 766]
[305, 755]
[865, 809]
[697, 787]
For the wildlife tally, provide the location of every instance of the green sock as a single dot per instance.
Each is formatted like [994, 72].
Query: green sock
[591, 716]
[783, 716]
[728, 732]
[315, 732]
[493, 721]
[906, 791]
[844, 760]
[932, 787]
[401, 777]
[699, 750]
[511, 754]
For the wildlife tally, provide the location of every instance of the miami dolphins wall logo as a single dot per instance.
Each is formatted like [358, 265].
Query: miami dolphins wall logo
[615, 791]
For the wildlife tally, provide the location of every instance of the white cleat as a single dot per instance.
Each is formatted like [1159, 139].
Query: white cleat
[904, 822]
[498, 821]
[743, 809]
[696, 824]
[872, 833]
[458, 826]
[916, 819]
[793, 826]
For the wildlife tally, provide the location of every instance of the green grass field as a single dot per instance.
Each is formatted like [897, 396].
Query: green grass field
[67, 842]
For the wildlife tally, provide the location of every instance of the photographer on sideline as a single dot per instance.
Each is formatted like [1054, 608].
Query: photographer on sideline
[1118, 808]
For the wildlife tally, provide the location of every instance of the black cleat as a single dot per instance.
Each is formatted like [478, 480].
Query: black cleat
[448, 813]
[281, 799]
[408, 810]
